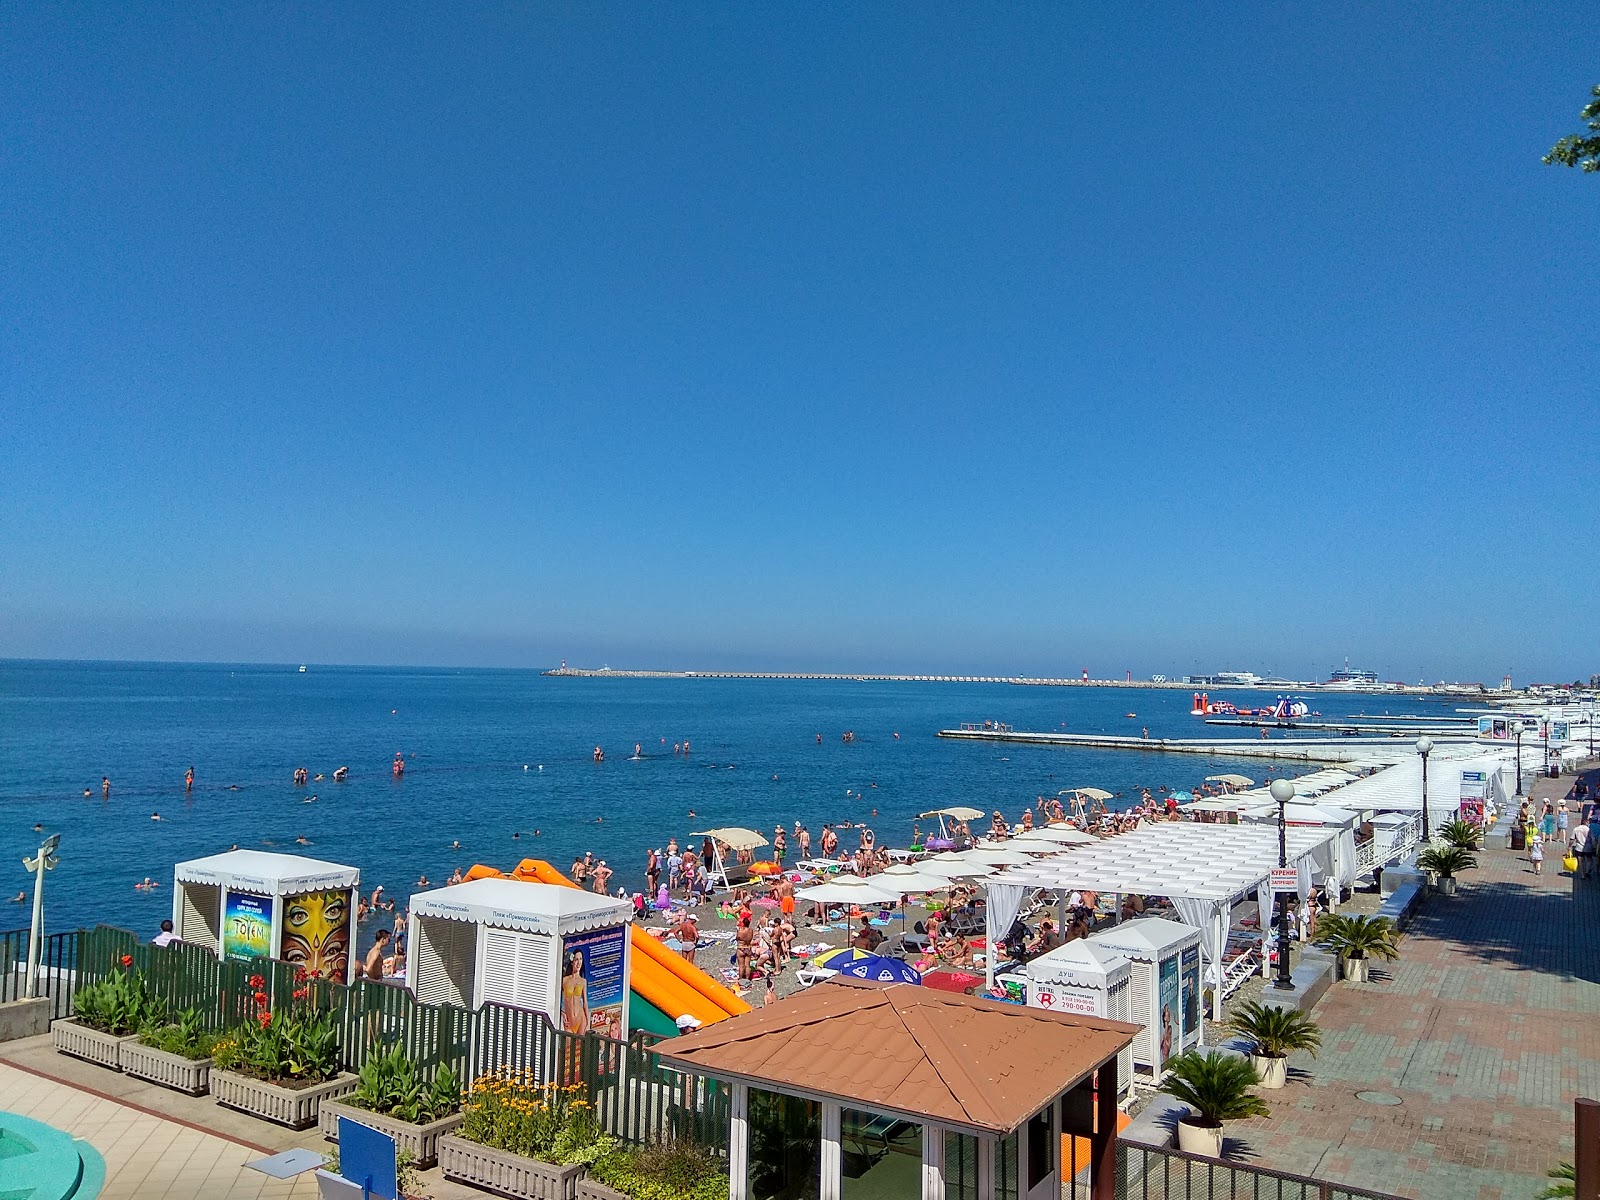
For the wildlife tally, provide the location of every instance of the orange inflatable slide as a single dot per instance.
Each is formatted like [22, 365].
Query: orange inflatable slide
[667, 981]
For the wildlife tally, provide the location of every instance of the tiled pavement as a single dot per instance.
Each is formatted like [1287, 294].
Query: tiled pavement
[1486, 1029]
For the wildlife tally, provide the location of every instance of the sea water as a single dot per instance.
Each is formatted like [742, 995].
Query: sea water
[491, 755]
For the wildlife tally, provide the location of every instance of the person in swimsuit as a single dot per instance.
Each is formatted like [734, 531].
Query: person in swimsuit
[574, 996]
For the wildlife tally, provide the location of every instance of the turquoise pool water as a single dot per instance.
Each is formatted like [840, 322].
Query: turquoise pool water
[45, 1163]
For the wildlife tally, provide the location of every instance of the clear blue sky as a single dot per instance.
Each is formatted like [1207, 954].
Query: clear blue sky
[1013, 338]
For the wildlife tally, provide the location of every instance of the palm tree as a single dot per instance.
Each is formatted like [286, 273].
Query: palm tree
[1460, 833]
[1567, 1186]
[1217, 1086]
[1274, 1033]
[1446, 862]
[1355, 939]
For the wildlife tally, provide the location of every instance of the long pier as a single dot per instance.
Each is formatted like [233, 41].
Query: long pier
[1333, 750]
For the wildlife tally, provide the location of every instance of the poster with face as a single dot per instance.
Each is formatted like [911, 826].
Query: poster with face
[247, 926]
[592, 987]
[316, 933]
[1171, 1015]
[1191, 991]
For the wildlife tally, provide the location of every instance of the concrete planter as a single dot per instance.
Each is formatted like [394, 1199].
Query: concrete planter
[189, 1075]
[421, 1140]
[1445, 885]
[1355, 969]
[593, 1189]
[506, 1173]
[276, 1102]
[1200, 1139]
[71, 1036]
[1274, 1071]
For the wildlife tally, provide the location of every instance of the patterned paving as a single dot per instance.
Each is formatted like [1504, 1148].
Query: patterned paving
[1487, 1029]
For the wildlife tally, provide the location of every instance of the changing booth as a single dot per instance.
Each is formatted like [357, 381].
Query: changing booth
[1090, 980]
[1164, 989]
[250, 904]
[554, 950]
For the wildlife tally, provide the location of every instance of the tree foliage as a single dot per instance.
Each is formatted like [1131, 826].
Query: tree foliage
[1576, 150]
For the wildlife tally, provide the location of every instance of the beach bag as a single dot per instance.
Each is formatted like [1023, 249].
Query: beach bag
[1569, 863]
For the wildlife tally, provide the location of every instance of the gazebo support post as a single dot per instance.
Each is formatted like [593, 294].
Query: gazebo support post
[932, 1161]
[1103, 1142]
[738, 1141]
[986, 1156]
[832, 1158]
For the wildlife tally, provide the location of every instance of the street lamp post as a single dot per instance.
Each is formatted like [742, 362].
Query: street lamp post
[1519, 758]
[1283, 792]
[1424, 748]
[44, 861]
[1544, 728]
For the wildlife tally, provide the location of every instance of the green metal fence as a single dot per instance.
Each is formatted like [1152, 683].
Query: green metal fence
[58, 959]
[638, 1098]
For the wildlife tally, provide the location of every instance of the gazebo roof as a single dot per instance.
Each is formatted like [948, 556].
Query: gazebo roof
[972, 1064]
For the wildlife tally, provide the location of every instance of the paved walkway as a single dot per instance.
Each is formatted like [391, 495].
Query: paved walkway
[1485, 1031]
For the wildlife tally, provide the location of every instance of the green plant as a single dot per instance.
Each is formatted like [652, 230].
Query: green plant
[185, 1036]
[298, 1046]
[1276, 1032]
[1460, 833]
[1566, 1185]
[407, 1176]
[1358, 936]
[666, 1171]
[1217, 1086]
[120, 1003]
[1446, 861]
[510, 1110]
[390, 1084]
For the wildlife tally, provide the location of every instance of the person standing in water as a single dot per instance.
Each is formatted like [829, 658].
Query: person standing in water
[188, 780]
[105, 787]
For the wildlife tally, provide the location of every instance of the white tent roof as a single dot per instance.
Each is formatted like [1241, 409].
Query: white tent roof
[515, 904]
[1146, 938]
[734, 837]
[1064, 835]
[959, 811]
[1304, 814]
[267, 874]
[1080, 963]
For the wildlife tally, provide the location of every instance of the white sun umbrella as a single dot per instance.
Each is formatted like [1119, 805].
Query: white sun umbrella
[907, 878]
[954, 866]
[847, 889]
[1062, 835]
[996, 856]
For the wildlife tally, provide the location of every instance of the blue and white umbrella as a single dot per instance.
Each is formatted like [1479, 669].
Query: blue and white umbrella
[880, 970]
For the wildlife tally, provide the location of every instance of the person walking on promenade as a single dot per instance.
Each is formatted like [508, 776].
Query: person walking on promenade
[1536, 854]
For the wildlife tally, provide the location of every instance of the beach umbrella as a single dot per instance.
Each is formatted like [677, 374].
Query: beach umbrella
[950, 865]
[836, 960]
[1062, 835]
[847, 889]
[1232, 780]
[1183, 795]
[879, 969]
[1093, 793]
[907, 878]
[996, 856]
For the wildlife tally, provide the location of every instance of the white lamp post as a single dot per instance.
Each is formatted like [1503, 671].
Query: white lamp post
[1283, 791]
[44, 861]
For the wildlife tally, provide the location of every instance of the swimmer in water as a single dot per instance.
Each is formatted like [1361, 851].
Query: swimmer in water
[87, 793]
[691, 812]
[455, 845]
[155, 816]
[39, 827]
[19, 897]
[188, 780]
[309, 800]
[302, 840]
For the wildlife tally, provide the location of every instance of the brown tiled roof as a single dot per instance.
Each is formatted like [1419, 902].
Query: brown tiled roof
[924, 1054]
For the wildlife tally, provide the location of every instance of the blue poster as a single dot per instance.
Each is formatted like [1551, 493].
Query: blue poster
[247, 926]
[592, 983]
[1191, 992]
[1171, 1014]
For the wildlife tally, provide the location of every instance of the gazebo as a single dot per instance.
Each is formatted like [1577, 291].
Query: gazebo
[907, 1091]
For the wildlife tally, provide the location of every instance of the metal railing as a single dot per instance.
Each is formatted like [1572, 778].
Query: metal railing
[58, 959]
[1147, 1173]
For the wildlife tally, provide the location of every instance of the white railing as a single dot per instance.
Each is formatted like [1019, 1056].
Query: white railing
[1240, 969]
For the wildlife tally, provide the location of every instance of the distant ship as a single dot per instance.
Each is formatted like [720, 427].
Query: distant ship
[302, 668]
[1351, 675]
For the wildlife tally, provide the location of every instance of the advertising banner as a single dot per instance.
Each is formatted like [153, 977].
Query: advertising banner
[1171, 1013]
[1063, 997]
[1472, 810]
[316, 933]
[592, 986]
[1191, 993]
[247, 926]
[1560, 731]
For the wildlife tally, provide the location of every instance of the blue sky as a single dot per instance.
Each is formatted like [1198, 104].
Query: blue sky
[1005, 338]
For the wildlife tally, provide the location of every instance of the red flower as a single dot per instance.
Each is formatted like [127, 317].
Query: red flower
[261, 999]
[264, 1017]
[257, 982]
[301, 975]
[301, 993]
[127, 960]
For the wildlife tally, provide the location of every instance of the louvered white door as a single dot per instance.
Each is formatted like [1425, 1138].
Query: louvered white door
[517, 969]
[444, 957]
[200, 920]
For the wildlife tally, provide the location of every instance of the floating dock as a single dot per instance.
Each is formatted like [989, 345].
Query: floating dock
[1319, 750]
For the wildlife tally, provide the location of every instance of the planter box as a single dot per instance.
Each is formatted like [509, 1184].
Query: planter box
[294, 1107]
[593, 1189]
[189, 1075]
[506, 1173]
[421, 1140]
[72, 1037]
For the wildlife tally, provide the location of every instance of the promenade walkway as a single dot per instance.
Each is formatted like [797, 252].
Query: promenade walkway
[1451, 1076]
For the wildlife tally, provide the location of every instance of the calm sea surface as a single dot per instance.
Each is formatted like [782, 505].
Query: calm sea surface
[494, 753]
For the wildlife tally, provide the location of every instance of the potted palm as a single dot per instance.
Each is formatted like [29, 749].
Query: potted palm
[1444, 862]
[1461, 833]
[392, 1097]
[1274, 1034]
[1356, 940]
[1217, 1087]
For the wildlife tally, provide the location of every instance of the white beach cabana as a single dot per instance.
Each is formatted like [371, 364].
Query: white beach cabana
[736, 838]
[1203, 869]
[956, 812]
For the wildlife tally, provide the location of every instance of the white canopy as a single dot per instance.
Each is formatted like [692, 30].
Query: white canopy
[734, 837]
[515, 904]
[849, 889]
[1303, 814]
[1063, 835]
[959, 811]
[997, 856]
[907, 878]
[266, 874]
[1232, 780]
[953, 866]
